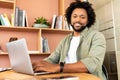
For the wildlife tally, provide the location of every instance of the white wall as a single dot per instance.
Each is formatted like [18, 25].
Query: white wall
[116, 15]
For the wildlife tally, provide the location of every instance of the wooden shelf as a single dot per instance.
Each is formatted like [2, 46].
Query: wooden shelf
[56, 30]
[48, 30]
[7, 1]
[33, 36]
[31, 53]
[7, 4]
[18, 28]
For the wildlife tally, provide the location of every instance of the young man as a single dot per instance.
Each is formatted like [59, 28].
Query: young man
[81, 51]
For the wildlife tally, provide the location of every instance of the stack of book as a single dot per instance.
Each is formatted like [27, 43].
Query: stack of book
[45, 45]
[17, 19]
[57, 22]
[60, 22]
[4, 20]
[20, 17]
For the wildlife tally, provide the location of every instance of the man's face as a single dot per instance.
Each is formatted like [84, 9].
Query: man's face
[79, 19]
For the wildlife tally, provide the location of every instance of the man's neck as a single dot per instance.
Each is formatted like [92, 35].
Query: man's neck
[76, 33]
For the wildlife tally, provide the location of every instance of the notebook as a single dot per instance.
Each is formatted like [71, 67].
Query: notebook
[19, 57]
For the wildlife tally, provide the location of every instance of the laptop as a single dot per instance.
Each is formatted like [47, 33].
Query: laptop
[19, 57]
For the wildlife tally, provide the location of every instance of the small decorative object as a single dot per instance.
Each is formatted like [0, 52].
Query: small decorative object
[41, 22]
[13, 39]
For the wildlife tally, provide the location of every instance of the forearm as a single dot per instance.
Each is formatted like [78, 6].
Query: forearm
[75, 67]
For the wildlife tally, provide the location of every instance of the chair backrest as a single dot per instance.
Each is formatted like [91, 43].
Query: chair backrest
[105, 71]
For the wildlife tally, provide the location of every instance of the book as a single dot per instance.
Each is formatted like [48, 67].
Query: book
[41, 44]
[53, 21]
[12, 19]
[7, 21]
[2, 20]
[58, 24]
[21, 18]
[16, 16]
[45, 46]
[26, 20]
[66, 26]
[4, 69]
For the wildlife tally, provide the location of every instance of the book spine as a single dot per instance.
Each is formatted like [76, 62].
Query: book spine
[2, 20]
[7, 21]
[58, 22]
[45, 46]
[21, 18]
[26, 20]
[16, 16]
[12, 19]
[53, 21]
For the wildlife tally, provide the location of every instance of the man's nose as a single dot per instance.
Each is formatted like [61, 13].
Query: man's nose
[78, 19]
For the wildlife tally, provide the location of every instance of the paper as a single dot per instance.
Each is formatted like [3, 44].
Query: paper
[4, 69]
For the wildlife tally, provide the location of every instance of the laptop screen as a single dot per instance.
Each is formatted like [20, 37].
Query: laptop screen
[19, 56]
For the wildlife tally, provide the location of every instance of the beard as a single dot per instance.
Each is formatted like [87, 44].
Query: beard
[79, 29]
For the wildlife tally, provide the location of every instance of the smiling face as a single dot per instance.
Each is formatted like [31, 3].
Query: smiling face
[79, 19]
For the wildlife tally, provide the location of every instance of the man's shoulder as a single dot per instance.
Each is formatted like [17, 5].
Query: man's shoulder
[93, 32]
[96, 34]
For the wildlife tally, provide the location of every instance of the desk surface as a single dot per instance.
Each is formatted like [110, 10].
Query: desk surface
[11, 75]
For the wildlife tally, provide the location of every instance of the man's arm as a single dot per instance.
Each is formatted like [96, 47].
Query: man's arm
[73, 67]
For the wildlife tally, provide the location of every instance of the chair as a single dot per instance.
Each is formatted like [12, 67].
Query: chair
[105, 71]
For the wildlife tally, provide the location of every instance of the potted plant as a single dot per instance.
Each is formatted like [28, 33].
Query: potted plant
[41, 22]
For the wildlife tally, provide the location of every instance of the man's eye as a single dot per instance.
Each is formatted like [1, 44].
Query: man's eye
[83, 17]
[74, 16]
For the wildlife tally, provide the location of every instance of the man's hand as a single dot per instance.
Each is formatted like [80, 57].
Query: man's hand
[45, 66]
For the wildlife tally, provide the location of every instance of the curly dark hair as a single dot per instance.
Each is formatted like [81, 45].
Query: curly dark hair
[85, 5]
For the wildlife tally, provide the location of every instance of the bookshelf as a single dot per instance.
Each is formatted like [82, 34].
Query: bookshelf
[53, 36]
[10, 4]
[32, 35]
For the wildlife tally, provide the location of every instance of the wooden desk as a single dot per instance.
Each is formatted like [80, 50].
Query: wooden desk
[11, 75]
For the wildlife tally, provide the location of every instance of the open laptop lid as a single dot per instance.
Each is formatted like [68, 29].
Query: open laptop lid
[19, 56]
